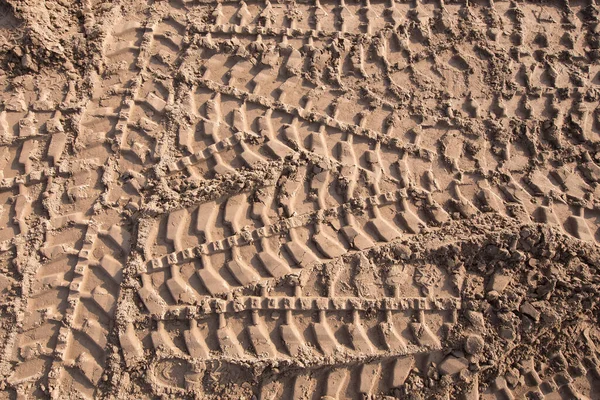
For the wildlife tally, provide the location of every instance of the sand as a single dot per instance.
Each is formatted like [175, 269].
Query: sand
[319, 199]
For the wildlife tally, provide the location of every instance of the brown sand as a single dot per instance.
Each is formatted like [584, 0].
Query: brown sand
[310, 199]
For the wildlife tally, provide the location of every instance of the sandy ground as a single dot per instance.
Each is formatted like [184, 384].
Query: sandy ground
[317, 199]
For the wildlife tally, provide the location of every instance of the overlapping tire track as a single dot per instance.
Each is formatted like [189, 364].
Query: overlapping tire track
[220, 202]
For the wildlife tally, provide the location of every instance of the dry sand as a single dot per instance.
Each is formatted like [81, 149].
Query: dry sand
[318, 199]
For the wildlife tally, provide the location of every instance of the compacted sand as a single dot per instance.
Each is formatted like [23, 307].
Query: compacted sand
[310, 199]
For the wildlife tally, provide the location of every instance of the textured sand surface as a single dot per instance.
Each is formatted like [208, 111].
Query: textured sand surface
[316, 199]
